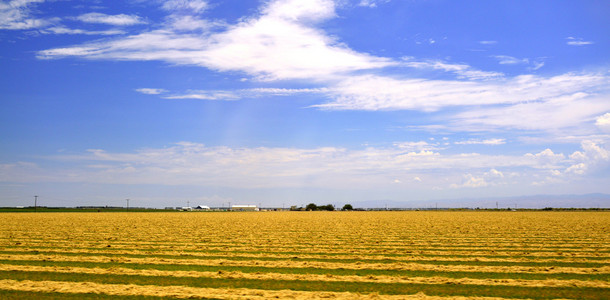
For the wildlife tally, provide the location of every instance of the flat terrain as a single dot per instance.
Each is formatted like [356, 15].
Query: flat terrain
[305, 255]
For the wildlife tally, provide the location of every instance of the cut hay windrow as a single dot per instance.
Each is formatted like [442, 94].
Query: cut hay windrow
[192, 292]
[314, 277]
[480, 260]
[312, 264]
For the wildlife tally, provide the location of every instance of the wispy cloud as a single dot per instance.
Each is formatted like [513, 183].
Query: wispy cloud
[488, 42]
[371, 92]
[572, 41]
[207, 95]
[509, 60]
[482, 142]
[65, 30]
[16, 15]
[151, 91]
[117, 20]
[462, 70]
[196, 6]
[372, 3]
[242, 93]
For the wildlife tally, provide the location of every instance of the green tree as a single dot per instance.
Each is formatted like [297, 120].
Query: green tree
[328, 207]
[311, 206]
[347, 207]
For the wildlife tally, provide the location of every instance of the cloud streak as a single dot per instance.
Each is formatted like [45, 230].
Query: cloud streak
[572, 41]
[116, 20]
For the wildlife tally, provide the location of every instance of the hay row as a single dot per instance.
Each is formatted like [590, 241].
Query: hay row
[473, 257]
[332, 251]
[314, 277]
[194, 292]
[193, 243]
[318, 265]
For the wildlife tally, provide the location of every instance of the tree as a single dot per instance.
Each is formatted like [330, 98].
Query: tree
[311, 206]
[347, 207]
[328, 207]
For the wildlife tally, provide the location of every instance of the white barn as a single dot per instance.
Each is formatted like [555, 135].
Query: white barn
[244, 207]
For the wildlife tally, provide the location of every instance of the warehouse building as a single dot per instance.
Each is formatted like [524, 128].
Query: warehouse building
[244, 208]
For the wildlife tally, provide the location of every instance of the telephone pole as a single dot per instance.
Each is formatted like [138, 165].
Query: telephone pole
[35, 202]
[127, 203]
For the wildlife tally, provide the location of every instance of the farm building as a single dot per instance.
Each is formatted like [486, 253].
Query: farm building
[202, 207]
[244, 208]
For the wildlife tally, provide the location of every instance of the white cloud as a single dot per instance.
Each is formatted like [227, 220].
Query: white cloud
[244, 93]
[572, 41]
[207, 95]
[372, 92]
[491, 178]
[117, 20]
[594, 158]
[299, 11]
[191, 23]
[280, 44]
[568, 112]
[323, 167]
[462, 70]
[603, 122]
[509, 60]
[470, 181]
[578, 169]
[196, 6]
[149, 91]
[65, 30]
[537, 65]
[15, 15]
[417, 146]
[546, 159]
[482, 142]
[488, 42]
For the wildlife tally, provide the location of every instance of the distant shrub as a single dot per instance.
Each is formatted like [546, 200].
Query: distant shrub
[347, 207]
[313, 206]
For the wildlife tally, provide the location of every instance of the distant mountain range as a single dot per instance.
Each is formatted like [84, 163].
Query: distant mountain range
[528, 201]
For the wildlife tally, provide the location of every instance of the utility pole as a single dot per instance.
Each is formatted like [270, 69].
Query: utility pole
[497, 207]
[35, 202]
[127, 203]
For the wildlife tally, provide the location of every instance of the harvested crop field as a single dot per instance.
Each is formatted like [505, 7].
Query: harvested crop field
[306, 255]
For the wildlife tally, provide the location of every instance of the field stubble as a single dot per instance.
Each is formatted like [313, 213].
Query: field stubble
[308, 254]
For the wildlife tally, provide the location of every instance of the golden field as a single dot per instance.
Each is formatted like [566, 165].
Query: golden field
[306, 255]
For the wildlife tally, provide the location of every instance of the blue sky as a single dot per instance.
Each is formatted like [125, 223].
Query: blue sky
[291, 102]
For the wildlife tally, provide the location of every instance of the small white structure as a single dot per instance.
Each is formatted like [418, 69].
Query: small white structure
[186, 208]
[202, 207]
[244, 207]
